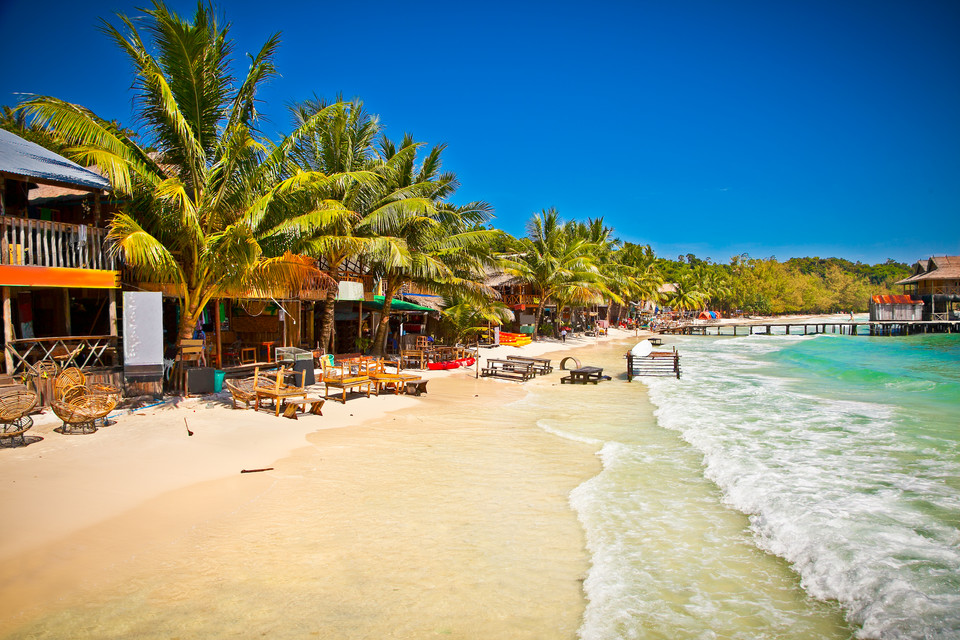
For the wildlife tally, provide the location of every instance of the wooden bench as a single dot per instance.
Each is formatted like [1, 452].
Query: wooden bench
[540, 365]
[292, 404]
[512, 369]
[416, 386]
[391, 381]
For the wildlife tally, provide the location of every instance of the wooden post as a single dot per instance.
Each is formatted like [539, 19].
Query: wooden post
[7, 330]
[360, 324]
[216, 329]
[112, 304]
[66, 312]
[311, 309]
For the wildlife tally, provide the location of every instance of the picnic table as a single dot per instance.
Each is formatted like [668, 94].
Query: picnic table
[513, 369]
[540, 365]
[583, 375]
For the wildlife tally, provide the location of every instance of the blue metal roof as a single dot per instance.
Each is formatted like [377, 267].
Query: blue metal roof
[30, 160]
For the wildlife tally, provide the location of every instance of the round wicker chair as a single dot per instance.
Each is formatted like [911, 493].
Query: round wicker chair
[69, 377]
[14, 407]
[81, 414]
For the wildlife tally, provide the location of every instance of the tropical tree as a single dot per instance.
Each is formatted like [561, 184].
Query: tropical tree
[643, 277]
[214, 209]
[341, 142]
[687, 296]
[467, 316]
[441, 246]
[560, 265]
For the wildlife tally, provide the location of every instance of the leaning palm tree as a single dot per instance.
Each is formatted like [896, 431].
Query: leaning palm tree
[214, 209]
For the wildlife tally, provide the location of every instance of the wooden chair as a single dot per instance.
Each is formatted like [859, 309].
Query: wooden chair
[191, 351]
[15, 404]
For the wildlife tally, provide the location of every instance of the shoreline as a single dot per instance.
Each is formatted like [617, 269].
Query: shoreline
[123, 489]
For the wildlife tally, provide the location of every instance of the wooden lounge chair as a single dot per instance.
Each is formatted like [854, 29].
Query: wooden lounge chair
[15, 404]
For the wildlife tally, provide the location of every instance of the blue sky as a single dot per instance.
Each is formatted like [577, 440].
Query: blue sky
[824, 128]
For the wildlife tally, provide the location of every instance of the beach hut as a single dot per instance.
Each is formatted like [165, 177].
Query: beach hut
[936, 282]
[59, 282]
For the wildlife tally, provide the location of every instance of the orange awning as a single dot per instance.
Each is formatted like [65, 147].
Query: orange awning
[18, 276]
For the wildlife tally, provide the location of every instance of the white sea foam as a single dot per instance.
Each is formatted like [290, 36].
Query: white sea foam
[829, 483]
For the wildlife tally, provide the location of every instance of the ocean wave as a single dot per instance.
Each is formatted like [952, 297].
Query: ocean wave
[829, 483]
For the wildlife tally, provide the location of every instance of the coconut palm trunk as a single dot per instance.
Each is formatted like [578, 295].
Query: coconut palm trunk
[391, 288]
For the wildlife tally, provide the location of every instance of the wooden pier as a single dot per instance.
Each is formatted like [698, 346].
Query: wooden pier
[853, 328]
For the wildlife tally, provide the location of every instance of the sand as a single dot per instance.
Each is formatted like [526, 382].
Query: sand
[385, 517]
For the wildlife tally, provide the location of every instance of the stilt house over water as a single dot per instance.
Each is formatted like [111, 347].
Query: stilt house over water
[936, 282]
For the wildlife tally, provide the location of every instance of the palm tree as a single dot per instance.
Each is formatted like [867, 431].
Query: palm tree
[643, 278]
[340, 143]
[469, 316]
[214, 209]
[688, 296]
[558, 264]
[444, 246]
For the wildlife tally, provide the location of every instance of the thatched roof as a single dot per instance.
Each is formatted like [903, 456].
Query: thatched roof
[934, 268]
[434, 302]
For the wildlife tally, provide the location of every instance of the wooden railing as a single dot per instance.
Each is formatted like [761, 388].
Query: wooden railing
[512, 299]
[42, 243]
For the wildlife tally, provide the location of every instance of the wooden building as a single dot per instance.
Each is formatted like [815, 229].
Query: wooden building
[936, 282]
[58, 282]
[890, 307]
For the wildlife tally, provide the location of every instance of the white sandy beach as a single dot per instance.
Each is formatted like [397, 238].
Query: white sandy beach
[409, 502]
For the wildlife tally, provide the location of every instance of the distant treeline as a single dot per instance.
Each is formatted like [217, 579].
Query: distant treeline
[798, 285]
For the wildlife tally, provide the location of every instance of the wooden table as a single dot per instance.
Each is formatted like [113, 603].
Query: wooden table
[513, 369]
[540, 365]
[66, 351]
[583, 375]
[346, 383]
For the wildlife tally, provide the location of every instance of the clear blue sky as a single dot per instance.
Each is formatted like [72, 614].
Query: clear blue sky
[807, 127]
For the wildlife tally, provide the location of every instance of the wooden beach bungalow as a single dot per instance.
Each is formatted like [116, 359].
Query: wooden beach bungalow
[936, 282]
[59, 283]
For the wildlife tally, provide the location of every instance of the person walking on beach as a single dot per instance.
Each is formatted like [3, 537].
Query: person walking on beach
[563, 334]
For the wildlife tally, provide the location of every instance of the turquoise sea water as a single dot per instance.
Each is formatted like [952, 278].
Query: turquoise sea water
[788, 487]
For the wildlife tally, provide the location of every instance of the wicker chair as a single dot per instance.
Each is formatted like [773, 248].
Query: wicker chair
[80, 415]
[242, 390]
[79, 407]
[69, 377]
[245, 390]
[15, 404]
